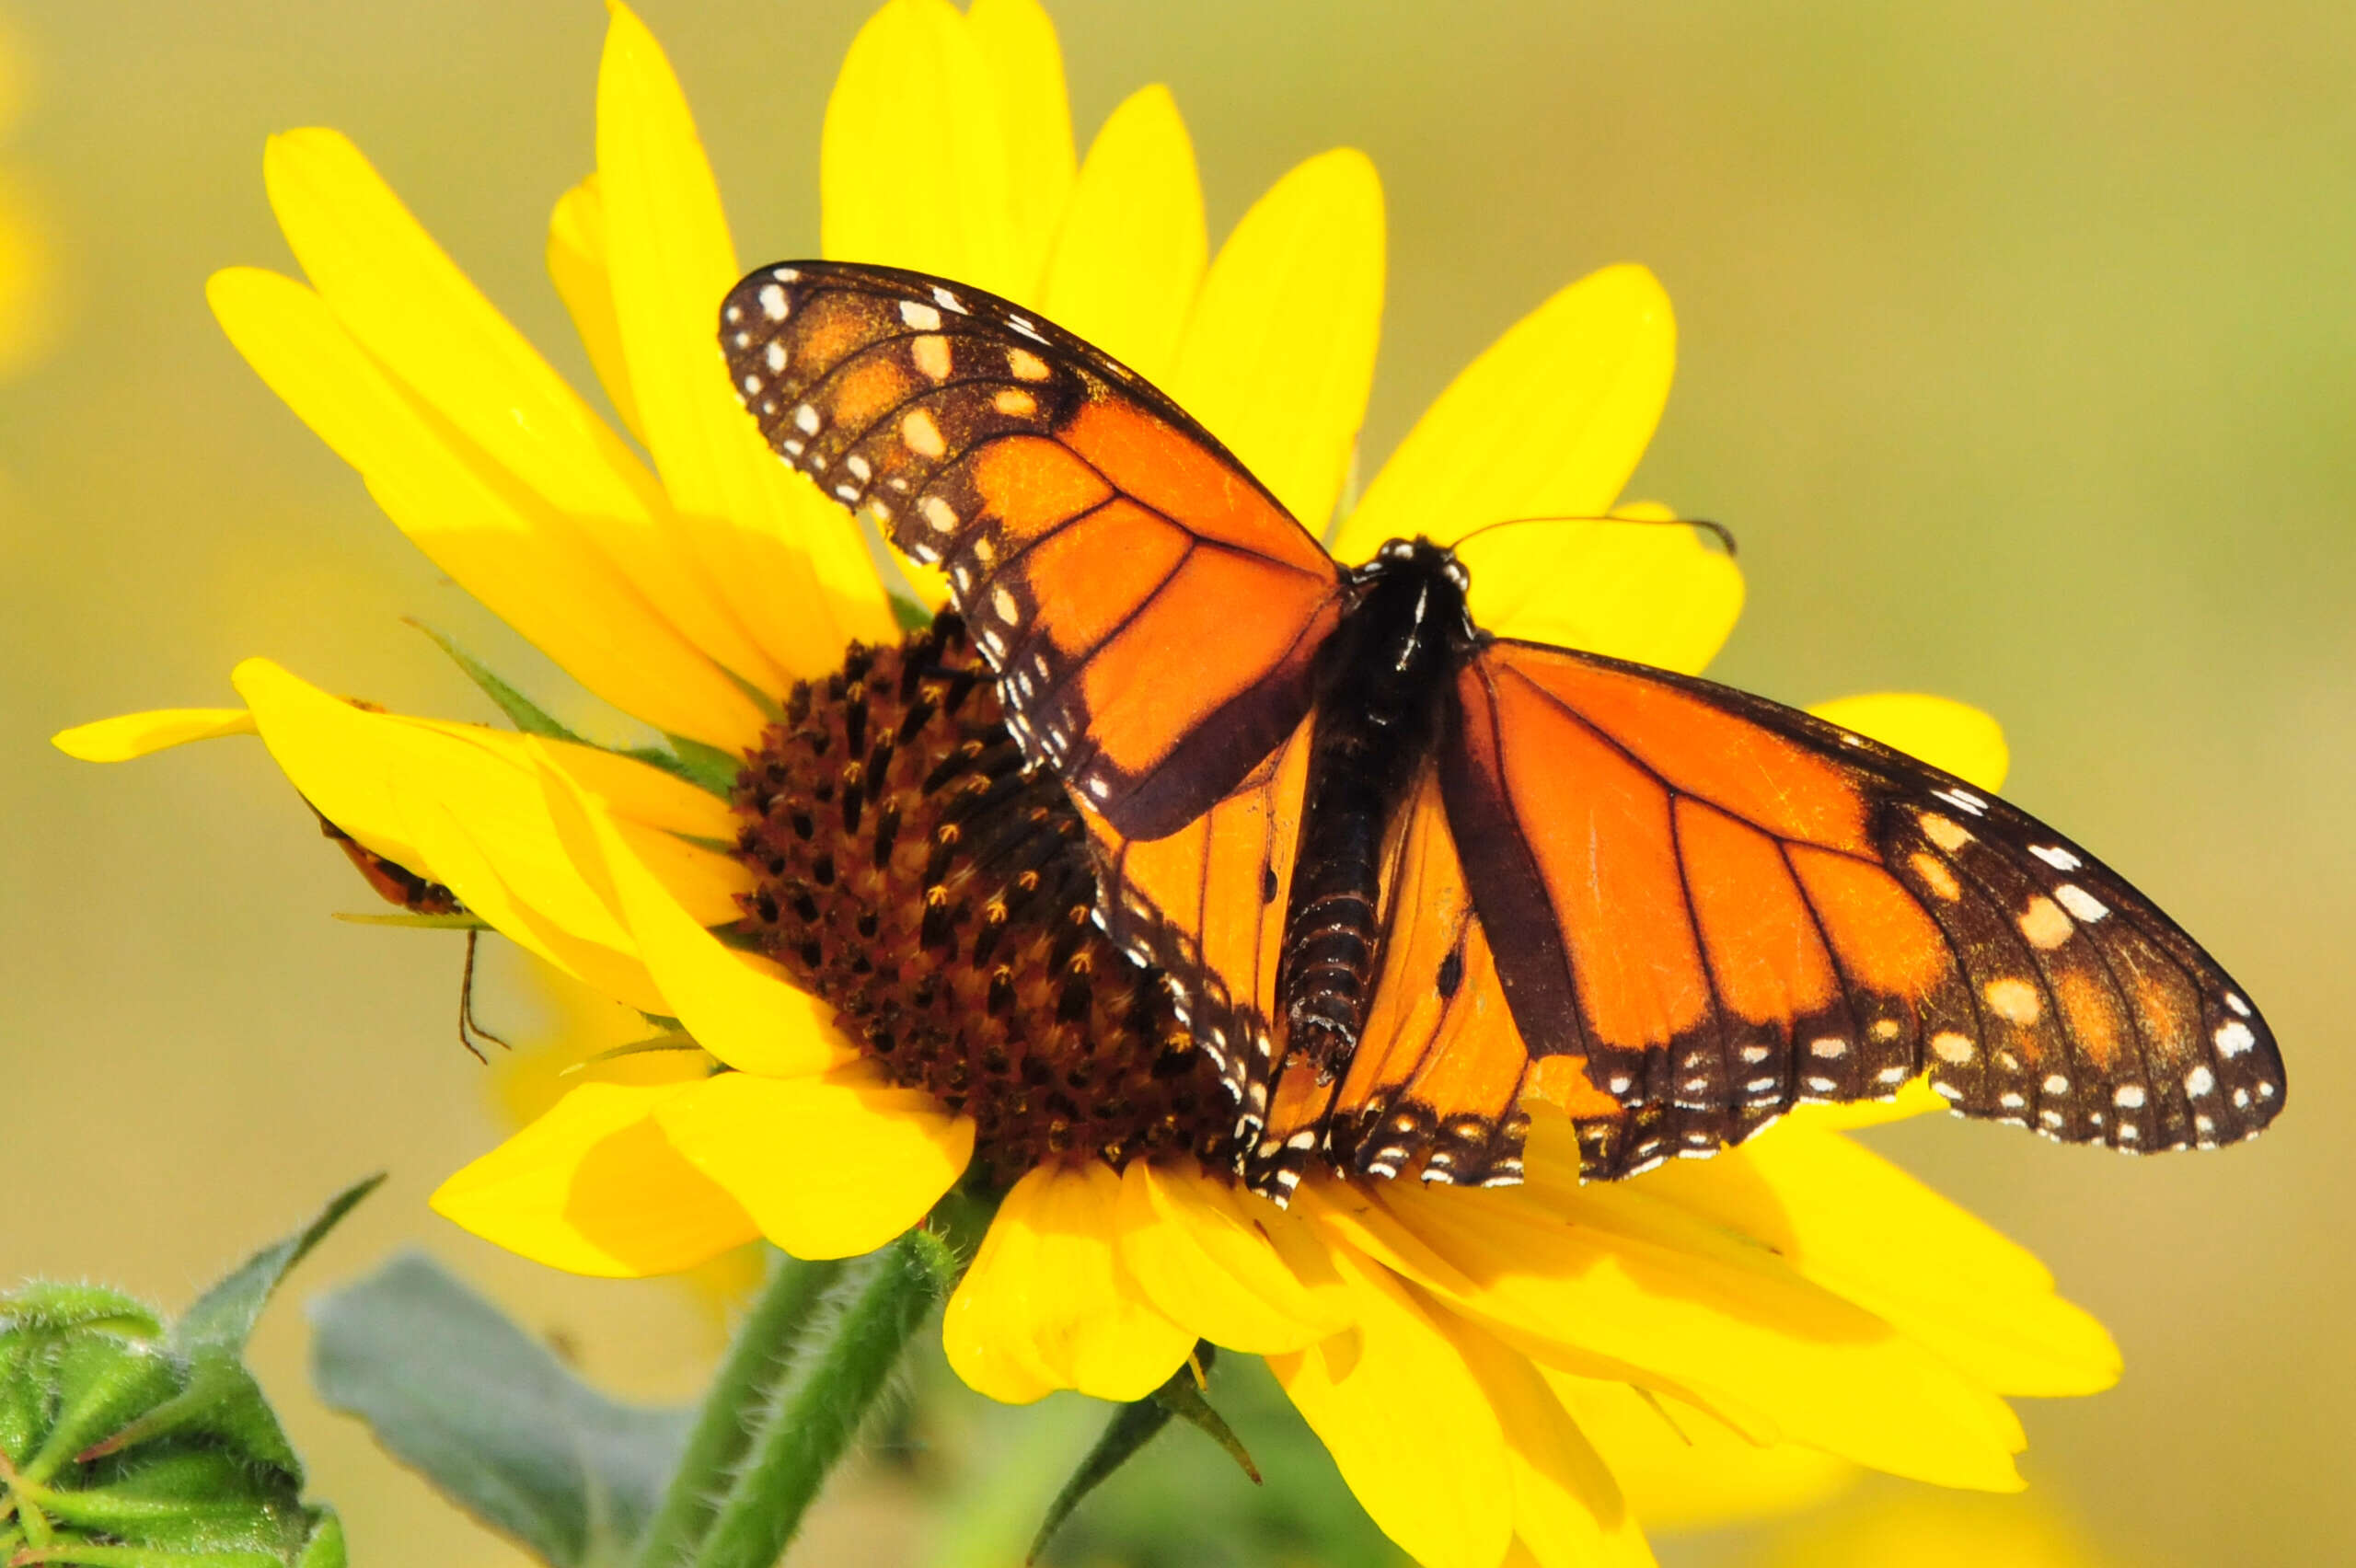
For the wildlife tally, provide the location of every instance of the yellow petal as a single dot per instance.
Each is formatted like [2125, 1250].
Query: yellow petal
[1551, 419]
[1026, 65]
[738, 1006]
[137, 734]
[1278, 356]
[1048, 1305]
[1938, 729]
[453, 848]
[1681, 1469]
[408, 305]
[1568, 1509]
[593, 1187]
[576, 259]
[1196, 1246]
[914, 162]
[1130, 257]
[1605, 1272]
[634, 792]
[788, 565]
[1915, 1098]
[1657, 595]
[503, 542]
[467, 807]
[828, 1167]
[1931, 1529]
[1408, 1424]
[1859, 1226]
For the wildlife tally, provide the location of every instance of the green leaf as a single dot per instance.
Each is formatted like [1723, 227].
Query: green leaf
[521, 710]
[1183, 1396]
[454, 1388]
[1134, 1425]
[225, 1315]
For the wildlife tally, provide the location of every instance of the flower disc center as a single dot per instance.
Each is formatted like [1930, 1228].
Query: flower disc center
[913, 874]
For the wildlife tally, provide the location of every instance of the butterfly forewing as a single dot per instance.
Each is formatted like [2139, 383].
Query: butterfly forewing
[1093, 535]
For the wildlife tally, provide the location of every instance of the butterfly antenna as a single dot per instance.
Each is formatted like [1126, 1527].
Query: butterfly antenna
[1719, 531]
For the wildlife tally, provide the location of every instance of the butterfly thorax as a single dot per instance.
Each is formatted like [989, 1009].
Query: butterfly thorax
[1383, 681]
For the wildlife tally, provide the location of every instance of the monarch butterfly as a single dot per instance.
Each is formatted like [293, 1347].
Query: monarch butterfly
[1406, 873]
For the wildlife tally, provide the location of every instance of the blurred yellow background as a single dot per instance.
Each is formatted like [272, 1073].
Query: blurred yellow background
[2020, 348]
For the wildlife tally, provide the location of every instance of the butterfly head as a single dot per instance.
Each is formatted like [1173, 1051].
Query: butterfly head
[1423, 583]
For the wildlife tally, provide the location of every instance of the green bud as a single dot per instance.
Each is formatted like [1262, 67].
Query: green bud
[128, 1442]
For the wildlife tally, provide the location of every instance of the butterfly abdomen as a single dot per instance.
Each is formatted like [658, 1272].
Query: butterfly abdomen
[1387, 673]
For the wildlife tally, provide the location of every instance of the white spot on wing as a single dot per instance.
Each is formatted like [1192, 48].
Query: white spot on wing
[2080, 902]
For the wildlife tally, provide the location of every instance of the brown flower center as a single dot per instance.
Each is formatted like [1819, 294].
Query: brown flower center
[912, 874]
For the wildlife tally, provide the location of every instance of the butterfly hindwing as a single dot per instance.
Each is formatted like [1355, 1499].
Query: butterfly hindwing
[1726, 904]
[1149, 609]
[1204, 905]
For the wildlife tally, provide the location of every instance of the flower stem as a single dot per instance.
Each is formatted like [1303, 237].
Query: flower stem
[819, 1410]
[741, 1391]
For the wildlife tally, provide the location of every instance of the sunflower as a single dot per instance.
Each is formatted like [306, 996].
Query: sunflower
[1519, 1375]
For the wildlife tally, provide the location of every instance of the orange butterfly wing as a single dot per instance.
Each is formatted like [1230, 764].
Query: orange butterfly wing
[1205, 905]
[1149, 608]
[1725, 908]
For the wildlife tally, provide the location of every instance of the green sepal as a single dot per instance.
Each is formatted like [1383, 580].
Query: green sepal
[707, 767]
[221, 1399]
[417, 922]
[186, 1495]
[326, 1548]
[78, 1555]
[455, 1389]
[670, 1039]
[521, 710]
[102, 1382]
[225, 1315]
[1132, 1427]
[24, 1399]
[44, 1306]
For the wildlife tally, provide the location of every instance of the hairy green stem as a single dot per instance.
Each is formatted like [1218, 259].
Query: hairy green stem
[744, 1387]
[834, 1384]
